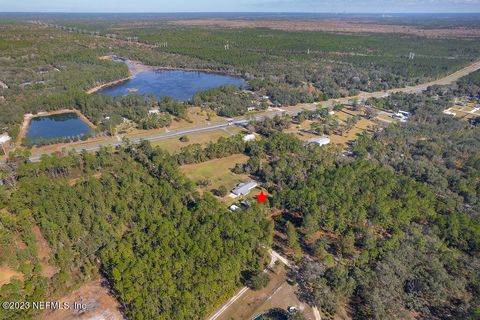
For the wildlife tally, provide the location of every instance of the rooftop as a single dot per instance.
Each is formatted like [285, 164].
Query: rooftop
[4, 138]
[244, 188]
[249, 137]
[320, 141]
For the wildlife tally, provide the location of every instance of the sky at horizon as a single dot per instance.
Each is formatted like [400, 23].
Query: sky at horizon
[310, 6]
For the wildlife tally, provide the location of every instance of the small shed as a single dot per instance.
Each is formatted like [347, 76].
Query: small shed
[234, 207]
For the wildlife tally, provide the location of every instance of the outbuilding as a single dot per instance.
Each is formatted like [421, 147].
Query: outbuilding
[234, 207]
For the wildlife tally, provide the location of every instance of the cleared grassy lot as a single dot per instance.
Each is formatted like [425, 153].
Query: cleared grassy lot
[351, 135]
[469, 111]
[218, 172]
[302, 130]
[173, 145]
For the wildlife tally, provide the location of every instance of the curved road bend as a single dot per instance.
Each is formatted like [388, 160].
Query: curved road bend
[291, 111]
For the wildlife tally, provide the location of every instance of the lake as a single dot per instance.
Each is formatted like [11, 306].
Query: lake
[178, 84]
[57, 126]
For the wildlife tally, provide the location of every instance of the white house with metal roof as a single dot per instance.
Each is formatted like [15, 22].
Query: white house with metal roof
[242, 189]
[249, 137]
[4, 138]
[320, 141]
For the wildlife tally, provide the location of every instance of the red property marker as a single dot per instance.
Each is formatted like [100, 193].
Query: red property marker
[261, 198]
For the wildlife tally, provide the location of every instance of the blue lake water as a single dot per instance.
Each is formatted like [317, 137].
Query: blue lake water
[178, 84]
[57, 126]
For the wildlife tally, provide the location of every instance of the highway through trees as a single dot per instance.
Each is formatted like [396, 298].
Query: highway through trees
[269, 114]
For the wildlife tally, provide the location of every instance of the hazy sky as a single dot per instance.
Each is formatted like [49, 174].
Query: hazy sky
[374, 6]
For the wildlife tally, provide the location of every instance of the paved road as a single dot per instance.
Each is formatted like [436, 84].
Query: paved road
[291, 111]
[139, 138]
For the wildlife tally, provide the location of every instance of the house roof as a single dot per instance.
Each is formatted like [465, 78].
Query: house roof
[4, 138]
[244, 188]
[249, 137]
[320, 141]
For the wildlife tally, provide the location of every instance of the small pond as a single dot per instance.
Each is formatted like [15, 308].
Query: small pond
[178, 84]
[57, 126]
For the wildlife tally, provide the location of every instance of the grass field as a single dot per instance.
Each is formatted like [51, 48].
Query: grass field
[300, 131]
[386, 118]
[173, 145]
[277, 294]
[218, 172]
[196, 116]
[471, 110]
[351, 135]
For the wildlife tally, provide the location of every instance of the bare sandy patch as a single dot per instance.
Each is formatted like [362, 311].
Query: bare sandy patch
[277, 294]
[7, 274]
[100, 304]
[44, 252]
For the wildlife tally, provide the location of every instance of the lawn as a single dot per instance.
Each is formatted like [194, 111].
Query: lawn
[468, 111]
[173, 145]
[300, 130]
[351, 135]
[218, 172]
[196, 116]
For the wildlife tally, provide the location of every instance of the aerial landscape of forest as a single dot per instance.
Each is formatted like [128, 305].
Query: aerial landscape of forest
[239, 165]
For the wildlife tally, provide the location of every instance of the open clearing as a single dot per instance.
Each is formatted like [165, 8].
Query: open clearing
[468, 111]
[218, 172]
[44, 250]
[7, 275]
[174, 144]
[333, 25]
[302, 130]
[278, 294]
[196, 116]
[100, 305]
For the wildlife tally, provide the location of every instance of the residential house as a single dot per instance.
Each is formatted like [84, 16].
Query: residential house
[243, 189]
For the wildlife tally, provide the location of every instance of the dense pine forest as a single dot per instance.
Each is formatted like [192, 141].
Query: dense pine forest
[167, 252]
[393, 231]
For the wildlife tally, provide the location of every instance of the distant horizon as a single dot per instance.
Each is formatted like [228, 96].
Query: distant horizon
[246, 12]
[241, 6]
